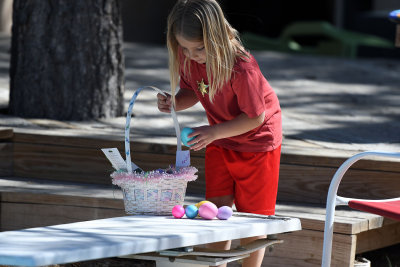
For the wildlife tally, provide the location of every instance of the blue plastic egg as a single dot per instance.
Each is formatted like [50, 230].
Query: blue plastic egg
[184, 135]
[191, 211]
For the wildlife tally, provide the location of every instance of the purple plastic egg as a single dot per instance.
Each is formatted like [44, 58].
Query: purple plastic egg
[224, 213]
[178, 211]
[208, 211]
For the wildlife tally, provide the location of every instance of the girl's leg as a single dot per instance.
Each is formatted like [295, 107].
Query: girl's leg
[219, 202]
[256, 184]
[256, 257]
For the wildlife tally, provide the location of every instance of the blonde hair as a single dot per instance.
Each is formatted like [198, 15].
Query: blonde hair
[203, 20]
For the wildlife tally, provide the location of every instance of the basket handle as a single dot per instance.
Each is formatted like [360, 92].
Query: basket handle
[128, 123]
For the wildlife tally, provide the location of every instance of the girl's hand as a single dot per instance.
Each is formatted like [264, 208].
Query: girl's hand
[204, 135]
[164, 103]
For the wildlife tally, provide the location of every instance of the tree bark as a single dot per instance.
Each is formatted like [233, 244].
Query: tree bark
[66, 59]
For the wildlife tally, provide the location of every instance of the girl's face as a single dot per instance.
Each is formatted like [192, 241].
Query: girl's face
[192, 49]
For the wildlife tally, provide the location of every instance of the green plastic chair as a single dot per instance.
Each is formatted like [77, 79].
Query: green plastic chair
[327, 40]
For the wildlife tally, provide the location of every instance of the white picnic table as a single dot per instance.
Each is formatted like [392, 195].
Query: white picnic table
[129, 235]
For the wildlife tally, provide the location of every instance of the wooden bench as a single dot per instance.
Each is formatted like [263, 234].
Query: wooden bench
[27, 203]
[75, 157]
[354, 233]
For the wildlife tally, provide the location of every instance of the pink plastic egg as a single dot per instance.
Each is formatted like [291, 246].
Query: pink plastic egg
[224, 213]
[178, 211]
[208, 211]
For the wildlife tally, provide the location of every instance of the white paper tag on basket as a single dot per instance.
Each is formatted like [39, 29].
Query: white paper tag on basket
[182, 158]
[115, 158]
[117, 161]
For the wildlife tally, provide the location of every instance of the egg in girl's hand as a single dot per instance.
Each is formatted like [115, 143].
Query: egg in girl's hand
[191, 211]
[224, 213]
[184, 136]
[208, 211]
[178, 211]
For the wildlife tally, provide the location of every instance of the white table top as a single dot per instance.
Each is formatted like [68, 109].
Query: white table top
[126, 235]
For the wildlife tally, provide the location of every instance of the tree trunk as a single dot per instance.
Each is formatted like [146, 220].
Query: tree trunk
[66, 59]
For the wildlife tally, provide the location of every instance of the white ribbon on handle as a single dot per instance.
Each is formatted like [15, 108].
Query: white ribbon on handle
[182, 157]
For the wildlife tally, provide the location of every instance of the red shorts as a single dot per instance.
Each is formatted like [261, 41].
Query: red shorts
[251, 177]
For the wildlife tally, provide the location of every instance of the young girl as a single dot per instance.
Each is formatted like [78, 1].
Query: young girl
[243, 140]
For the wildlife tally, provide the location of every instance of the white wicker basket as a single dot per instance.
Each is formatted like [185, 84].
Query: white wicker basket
[154, 199]
[155, 192]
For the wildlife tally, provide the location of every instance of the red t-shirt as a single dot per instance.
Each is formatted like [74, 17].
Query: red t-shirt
[247, 92]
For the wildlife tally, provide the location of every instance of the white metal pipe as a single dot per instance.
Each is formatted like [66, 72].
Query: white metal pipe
[333, 200]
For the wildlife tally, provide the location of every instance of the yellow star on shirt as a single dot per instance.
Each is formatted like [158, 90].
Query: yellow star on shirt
[202, 87]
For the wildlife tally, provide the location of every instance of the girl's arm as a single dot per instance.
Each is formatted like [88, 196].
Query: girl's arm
[185, 98]
[204, 135]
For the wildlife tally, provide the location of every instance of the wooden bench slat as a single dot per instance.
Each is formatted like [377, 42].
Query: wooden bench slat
[6, 133]
[304, 248]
